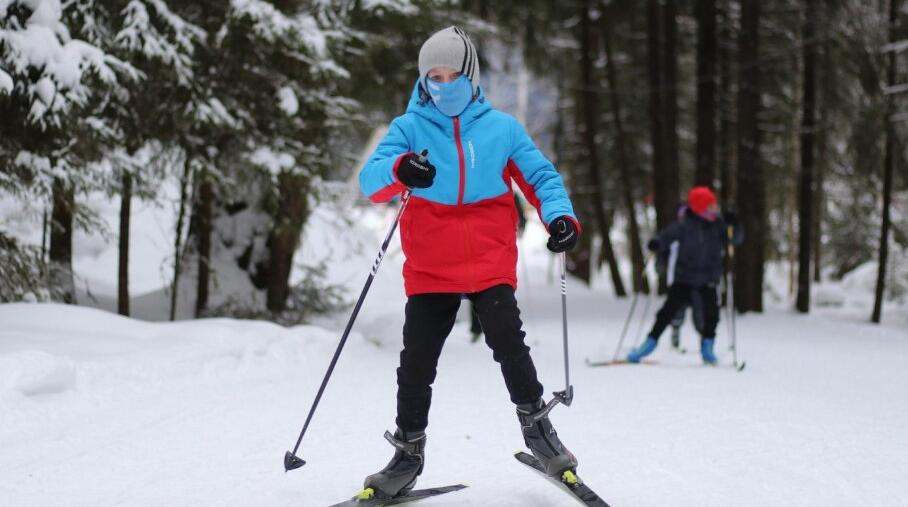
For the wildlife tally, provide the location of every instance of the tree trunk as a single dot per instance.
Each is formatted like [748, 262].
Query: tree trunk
[789, 206]
[707, 55]
[61, 241]
[822, 152]
[670, 103]
[579, 261]
[641, 284]
[888, 169]
[123, 265]
[751, 186]
[663, 202]
[819, 208]
[727, 130]
[44, 226]
[284, 239]
[727, 151]
[177, 242]
[789, 203]
[589, 104]
[808, 124]
[206, 196]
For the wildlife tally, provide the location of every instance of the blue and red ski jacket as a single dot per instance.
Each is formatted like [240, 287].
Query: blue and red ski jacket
[460, 234]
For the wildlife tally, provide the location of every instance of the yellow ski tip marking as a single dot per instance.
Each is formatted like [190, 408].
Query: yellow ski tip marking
[568, 477]
[366, 494]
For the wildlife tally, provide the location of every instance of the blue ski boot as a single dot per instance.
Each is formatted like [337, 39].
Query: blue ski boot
[706, 351]
[646, 348]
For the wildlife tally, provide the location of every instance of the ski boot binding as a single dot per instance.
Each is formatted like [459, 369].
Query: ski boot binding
[399, 476]
[542, 440]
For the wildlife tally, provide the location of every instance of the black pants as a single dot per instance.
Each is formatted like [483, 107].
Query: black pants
[679, 296]
[696, 312]
[429, 320]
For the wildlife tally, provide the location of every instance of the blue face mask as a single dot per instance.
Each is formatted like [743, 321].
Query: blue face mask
[451, 98]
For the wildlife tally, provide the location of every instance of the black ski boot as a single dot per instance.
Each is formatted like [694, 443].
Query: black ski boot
[540, 436]
[399, 476]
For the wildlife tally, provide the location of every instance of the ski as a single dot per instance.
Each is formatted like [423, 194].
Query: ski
[569, 482]
[679, 349]
[618, 362]
[365, 500]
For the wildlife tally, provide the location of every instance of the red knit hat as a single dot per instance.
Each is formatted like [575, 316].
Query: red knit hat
[700, 199]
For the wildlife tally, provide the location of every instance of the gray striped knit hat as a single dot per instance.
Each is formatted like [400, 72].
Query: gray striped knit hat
[450, 47]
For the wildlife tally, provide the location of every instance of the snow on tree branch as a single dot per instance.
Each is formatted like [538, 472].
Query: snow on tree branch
[173, 44]
[50, 66]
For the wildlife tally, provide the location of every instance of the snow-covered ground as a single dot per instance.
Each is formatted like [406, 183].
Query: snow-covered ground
[96, 409]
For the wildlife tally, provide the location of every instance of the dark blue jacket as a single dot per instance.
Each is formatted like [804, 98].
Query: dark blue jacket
[695, 247]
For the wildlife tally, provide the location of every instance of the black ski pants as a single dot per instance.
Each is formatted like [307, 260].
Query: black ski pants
[679, 296]
[696, 312]
[429, 320]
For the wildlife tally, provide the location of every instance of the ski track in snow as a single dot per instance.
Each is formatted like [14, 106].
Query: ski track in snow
[96, 409]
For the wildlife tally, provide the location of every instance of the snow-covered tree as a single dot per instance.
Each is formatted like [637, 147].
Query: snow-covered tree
[49, 80]
[142, 121]
[260, 112]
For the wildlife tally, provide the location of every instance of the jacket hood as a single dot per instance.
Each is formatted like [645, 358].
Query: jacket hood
[422, 105]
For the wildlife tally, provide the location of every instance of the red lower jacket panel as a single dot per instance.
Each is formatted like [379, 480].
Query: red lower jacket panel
[461, 249]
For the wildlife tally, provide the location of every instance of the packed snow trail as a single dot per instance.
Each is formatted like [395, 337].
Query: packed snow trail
[96, 409]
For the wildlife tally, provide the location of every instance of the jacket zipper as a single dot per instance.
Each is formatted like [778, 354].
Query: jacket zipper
[460, 206]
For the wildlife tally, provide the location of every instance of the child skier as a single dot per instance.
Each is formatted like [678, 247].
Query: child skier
[459, 238]
[701, 237]
[666, 259]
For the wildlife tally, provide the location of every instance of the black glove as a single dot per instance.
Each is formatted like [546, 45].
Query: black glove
[562, 235]
[653, 245]
[730, 218]
[415, 171]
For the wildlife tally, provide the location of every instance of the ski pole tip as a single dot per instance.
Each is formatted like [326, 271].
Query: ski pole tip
[292, 462]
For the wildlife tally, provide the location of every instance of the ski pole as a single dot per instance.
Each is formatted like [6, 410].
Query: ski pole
[731, 301]
[728, 307]
[566, 396]
[291, 460]
[630, 314]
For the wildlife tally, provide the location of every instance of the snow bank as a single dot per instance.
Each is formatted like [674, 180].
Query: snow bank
[51, 349]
